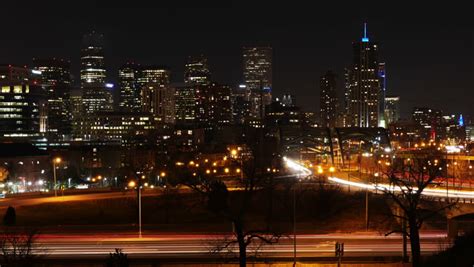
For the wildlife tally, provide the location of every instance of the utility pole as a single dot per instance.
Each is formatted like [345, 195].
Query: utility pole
[294, 225]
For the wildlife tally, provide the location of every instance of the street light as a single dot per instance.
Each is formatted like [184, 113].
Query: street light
[132, 184]
[55, 161]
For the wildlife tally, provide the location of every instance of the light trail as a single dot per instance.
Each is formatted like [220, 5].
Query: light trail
[303, 171]
[433, 192]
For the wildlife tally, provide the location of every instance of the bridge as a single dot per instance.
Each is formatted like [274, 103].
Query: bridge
[334, 145]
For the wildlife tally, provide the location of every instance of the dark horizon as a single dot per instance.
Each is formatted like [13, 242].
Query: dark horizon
[428, 54]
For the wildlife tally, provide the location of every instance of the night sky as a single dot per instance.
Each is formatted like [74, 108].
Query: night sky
[428, 49]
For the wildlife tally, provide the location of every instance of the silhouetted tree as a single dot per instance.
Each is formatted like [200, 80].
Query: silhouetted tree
[17, 248]
[234, 208]
[9, 219]
[460, 254]
[117, 259]
[408, 179]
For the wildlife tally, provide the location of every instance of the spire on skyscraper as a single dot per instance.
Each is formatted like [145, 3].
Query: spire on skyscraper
[365, 39]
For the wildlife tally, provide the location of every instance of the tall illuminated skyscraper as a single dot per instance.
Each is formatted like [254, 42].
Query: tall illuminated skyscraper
[92, 60]
[197, 71]
[56, 79]
[364, 84]
[257, 74]
[383, 89]
[129, 88]
[328, 100]
[95, 96]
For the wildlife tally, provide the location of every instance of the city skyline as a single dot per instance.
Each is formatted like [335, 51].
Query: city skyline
[302, 52]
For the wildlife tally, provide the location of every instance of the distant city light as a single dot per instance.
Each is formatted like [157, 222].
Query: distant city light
[38, 72]
[109, 85]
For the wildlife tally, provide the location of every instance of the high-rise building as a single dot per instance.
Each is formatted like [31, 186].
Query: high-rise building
[240, 104]
[23, 105]
[392, 109]
[364, 84]
[159, 101]
[92, 60]
[196, 70]
[77, 111]
[129, 88]
[257, 74]
[96, 99]
[383, 90]
[56, 79]
[216, 104]
[185, 103]
[95, 95]
[154, 74]
[430, 120]
[328, 100]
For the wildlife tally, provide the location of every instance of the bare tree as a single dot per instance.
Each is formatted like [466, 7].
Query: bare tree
[235, 207]
[408, 179]
[18, 247]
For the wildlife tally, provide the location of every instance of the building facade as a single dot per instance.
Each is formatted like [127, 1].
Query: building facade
[23, 105]
[158, 100]
[364, 85]
[392, 109]
[129, 88]
[56, 79]
[185, 103]
[196, 70]
[258, 77]
[96, 97]
[328, 100]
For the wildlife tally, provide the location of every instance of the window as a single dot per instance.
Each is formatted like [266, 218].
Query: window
[17, 89]
[5, 89]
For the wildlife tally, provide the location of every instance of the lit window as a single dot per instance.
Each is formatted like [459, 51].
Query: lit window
[17, 89]
[5, 89]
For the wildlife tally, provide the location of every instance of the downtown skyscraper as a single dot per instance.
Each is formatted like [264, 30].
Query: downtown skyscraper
[95, 95]
[56, 79]
[196, 70]
[258, 77]
[328, 100]
[130, 90]
[363, 85]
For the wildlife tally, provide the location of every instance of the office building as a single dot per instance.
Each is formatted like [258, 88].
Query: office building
[92, 60]
[328, 100]
[23, 105]
[129, 88]
[216, 105]
[392, 109]
[56, 79]
[257, 74]
[196, 70]
[154, 74]
[185, 103]
[383, 90]
[240, 104]
[430, 120]
[96, 97]
[363, 84]
[159, 101]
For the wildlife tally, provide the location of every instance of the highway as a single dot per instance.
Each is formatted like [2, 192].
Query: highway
[28, 201]
[199, 246]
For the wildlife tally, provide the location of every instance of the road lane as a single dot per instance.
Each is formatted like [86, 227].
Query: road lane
[192, 246]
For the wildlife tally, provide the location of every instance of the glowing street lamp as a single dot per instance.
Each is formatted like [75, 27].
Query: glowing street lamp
[55, 161]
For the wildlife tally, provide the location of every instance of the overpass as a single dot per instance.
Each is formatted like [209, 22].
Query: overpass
[334, 145]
